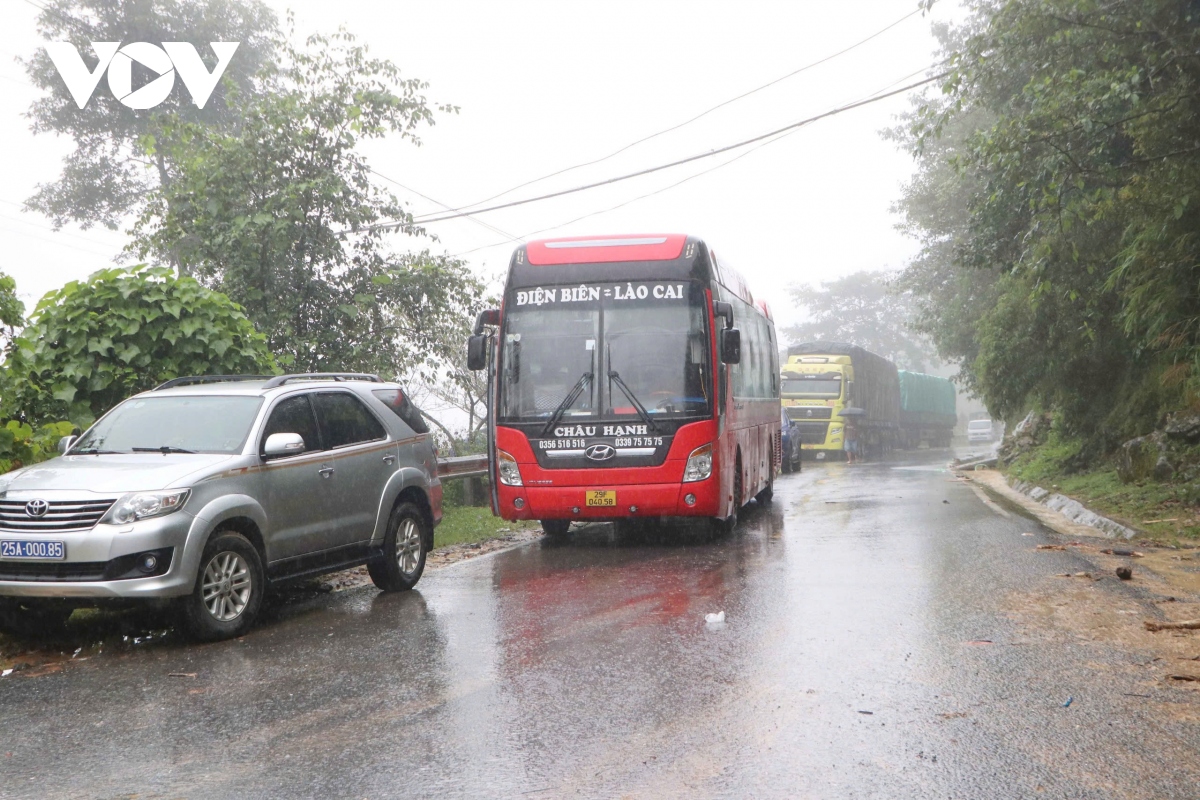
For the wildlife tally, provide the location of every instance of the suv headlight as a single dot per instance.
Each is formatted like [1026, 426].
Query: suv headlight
[142, 505]
[699, 464]
[506, 465]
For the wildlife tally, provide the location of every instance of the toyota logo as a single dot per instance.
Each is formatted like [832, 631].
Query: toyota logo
[37, 508]
[600, 452]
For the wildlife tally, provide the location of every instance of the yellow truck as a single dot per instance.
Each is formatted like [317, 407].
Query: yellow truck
[823, 384]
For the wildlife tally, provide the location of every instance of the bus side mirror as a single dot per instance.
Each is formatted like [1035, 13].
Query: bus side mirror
[489, 317]
[731, 346]
[723, 309]
[477, 352]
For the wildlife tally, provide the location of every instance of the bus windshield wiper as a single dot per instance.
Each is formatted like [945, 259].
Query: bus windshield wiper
[641, 410]
[95, 452]
[165, 449]
[567, 401]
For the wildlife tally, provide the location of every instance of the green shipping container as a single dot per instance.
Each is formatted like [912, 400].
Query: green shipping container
[926, 400]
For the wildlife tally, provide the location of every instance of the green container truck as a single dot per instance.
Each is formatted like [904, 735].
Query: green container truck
[927, 410]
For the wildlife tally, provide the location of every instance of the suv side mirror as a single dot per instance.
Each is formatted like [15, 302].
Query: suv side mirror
[64, 444]
[477, 352]
[731, 346]
[283, 444]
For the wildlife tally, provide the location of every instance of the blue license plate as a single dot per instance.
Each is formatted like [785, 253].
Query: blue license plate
[18, 548]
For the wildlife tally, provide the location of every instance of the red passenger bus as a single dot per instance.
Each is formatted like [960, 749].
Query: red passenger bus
[629, 377]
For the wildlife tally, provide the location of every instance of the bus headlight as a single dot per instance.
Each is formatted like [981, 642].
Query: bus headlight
[506, 465]
[835, 430]
[699, 464]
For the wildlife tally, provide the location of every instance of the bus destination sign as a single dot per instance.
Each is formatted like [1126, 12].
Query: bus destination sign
[616, 292]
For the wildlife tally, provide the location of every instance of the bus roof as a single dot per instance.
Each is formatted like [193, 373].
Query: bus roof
[605, 249]
[680, 257]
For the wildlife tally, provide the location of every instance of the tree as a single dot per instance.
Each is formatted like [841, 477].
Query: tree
[1059, 246]
[92, 343]
[12, 310]
[865, 309]
[108, 175]
[281, 214]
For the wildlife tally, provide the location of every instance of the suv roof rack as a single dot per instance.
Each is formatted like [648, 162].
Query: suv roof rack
[280, 380]
[190, 379]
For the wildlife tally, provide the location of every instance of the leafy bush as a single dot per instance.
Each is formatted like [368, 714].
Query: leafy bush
[91, 344]
[21, 444]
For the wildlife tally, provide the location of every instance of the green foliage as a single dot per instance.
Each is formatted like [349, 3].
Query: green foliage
[469, 524]
[112, 169]
[21, 444]
[12, 310]
[282, 215]
[1053, 202]
[867, 309]
[91, 344]
[1049, 461]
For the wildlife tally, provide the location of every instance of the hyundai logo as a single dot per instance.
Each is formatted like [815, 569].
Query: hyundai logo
[600, 452]
[37, 508]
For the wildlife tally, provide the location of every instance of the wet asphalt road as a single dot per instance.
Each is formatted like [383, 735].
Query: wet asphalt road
[586, 669]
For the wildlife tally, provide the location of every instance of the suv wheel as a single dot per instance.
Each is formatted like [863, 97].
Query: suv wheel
[229, 589]
[400, 565]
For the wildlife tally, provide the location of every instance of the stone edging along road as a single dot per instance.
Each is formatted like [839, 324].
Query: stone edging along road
[1057, 512]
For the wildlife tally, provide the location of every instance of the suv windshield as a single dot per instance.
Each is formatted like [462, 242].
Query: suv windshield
[204, 424]
[653, 342]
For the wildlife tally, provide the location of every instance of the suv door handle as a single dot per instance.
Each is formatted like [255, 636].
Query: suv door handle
[389, 459]
[325, 472]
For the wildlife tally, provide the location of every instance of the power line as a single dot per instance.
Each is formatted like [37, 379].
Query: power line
[685, 180]
[64, 17]
[634, 199]
[698, 116]
[506, 234]
[59, 242]
[660, 167]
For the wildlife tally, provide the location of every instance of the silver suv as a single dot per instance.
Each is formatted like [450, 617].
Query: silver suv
[206, 490]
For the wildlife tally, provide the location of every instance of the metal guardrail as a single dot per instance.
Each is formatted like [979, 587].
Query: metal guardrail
[462, 467]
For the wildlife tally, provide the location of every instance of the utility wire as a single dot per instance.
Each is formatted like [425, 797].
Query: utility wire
[508, 236]
[64, 17]
[698, 116]
[726, 163]
[640, 197]
[676, 163]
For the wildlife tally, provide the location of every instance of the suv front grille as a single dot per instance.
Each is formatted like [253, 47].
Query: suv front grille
[43, 571]
[61, 516]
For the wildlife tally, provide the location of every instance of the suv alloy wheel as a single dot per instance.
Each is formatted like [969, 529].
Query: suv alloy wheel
[228, 591]
[399, 566]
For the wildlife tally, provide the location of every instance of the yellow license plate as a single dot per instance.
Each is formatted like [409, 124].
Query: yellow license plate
[601, 499]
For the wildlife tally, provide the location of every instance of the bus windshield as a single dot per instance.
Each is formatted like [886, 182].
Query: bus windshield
[603, 354]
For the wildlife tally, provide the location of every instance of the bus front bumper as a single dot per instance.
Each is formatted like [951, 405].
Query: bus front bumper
[622, 501]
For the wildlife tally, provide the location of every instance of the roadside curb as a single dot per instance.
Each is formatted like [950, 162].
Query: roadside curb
[1073, 510]
[1058, 512]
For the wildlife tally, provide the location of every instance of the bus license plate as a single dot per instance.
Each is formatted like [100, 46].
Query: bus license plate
[18, 548]
[601, 499]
